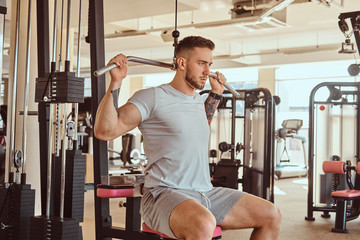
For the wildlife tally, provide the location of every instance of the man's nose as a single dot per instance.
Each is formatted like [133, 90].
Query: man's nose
[207, 70]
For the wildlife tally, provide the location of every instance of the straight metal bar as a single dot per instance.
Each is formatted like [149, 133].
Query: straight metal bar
[107, 68]
[14, 92]
[26, 89]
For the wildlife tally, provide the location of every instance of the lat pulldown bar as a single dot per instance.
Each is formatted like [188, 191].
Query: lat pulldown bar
[105, 69]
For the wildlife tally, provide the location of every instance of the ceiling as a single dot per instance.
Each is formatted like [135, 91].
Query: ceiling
[303, 31]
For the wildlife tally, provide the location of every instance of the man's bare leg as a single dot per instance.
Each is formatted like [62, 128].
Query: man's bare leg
[254, 212]
[191, 221]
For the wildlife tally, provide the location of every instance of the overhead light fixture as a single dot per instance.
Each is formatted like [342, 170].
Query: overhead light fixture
[306, 50]
[278, 7]
[127, 33]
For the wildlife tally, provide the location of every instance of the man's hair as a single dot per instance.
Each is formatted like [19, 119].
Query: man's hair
[189, 43]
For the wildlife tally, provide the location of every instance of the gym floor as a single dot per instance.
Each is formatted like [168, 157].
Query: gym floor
[290, 197]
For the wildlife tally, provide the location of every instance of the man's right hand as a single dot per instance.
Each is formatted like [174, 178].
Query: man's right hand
[118, 73]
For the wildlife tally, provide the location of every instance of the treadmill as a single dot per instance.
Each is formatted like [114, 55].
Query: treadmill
[285, 167]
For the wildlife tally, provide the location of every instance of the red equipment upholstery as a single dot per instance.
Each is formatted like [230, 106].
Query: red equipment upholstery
[334, 167]
[216, 234]
[349, 193]
[343, 196]
[120, 191]
[115, 191]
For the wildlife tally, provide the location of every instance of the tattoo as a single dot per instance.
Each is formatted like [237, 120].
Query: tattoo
[211, 105]
[115, 94]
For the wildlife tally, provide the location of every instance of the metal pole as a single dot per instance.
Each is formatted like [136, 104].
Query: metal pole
[14, 88]
[67, 60]
[26, 90]
[63, 163]
[107, 68]
[49, 162]
[78, 75]
[54, 32]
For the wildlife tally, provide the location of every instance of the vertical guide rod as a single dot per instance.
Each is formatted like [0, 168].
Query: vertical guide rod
[14, 88]
[49, 161]
[78, 74]
[64, 121]
[26, 89]
[67, 59]
[63, 162]
[54, 35]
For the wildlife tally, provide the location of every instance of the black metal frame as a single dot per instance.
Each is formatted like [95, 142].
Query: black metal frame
[353, 16]
[311, 207]
[252, 99]
[103, 221]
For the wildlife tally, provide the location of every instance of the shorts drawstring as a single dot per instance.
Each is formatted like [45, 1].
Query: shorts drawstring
[207, 200]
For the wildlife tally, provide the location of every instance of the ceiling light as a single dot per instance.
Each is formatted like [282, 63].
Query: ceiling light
[129, 33]
[277, 7]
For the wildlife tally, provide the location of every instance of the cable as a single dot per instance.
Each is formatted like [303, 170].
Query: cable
[175, 35]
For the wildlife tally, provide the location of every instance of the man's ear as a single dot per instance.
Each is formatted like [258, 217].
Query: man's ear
[180, 63]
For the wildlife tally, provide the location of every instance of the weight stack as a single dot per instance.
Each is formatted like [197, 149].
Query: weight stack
[60, 87]
[74, 185]
[17, 202]
[54, 228]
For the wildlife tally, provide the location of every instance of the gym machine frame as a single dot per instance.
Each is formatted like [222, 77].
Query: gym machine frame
[103, 222]
[17, 199]
[68, 194]
[335, 94]
[256, 172]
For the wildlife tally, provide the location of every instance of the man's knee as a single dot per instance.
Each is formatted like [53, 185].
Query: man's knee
[274, 216]
[191, 219]
[198, 228]
[204, 227]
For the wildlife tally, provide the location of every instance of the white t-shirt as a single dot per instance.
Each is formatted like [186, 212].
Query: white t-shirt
[176, 136]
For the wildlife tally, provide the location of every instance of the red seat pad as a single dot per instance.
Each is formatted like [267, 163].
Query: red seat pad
[217, 231]
[358, 168]
[115, 191]
[333, 167]
[349, 193]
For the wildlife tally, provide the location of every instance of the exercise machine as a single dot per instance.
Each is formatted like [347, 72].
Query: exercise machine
[62, 165]
[344, 211]
[17, 199]
[334, 134]
[103, 222]
[286, 168]
[252, 133]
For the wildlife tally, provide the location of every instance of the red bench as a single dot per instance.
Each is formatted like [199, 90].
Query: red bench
[342, 197]
[122, 191]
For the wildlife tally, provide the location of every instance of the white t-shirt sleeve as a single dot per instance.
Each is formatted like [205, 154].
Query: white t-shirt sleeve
[144, 100]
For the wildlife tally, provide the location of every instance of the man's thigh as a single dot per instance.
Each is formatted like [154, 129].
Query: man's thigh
[156, 211]
[249, 212]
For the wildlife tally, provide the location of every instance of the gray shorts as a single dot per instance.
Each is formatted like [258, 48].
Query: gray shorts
[157, 204]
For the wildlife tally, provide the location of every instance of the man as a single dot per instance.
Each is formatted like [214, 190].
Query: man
[179, 199]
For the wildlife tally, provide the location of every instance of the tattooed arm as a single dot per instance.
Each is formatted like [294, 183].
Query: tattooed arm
[214, 98]
[211, 104]
[112, 121]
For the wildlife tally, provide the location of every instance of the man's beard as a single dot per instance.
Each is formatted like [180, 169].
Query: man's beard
[193, 83]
